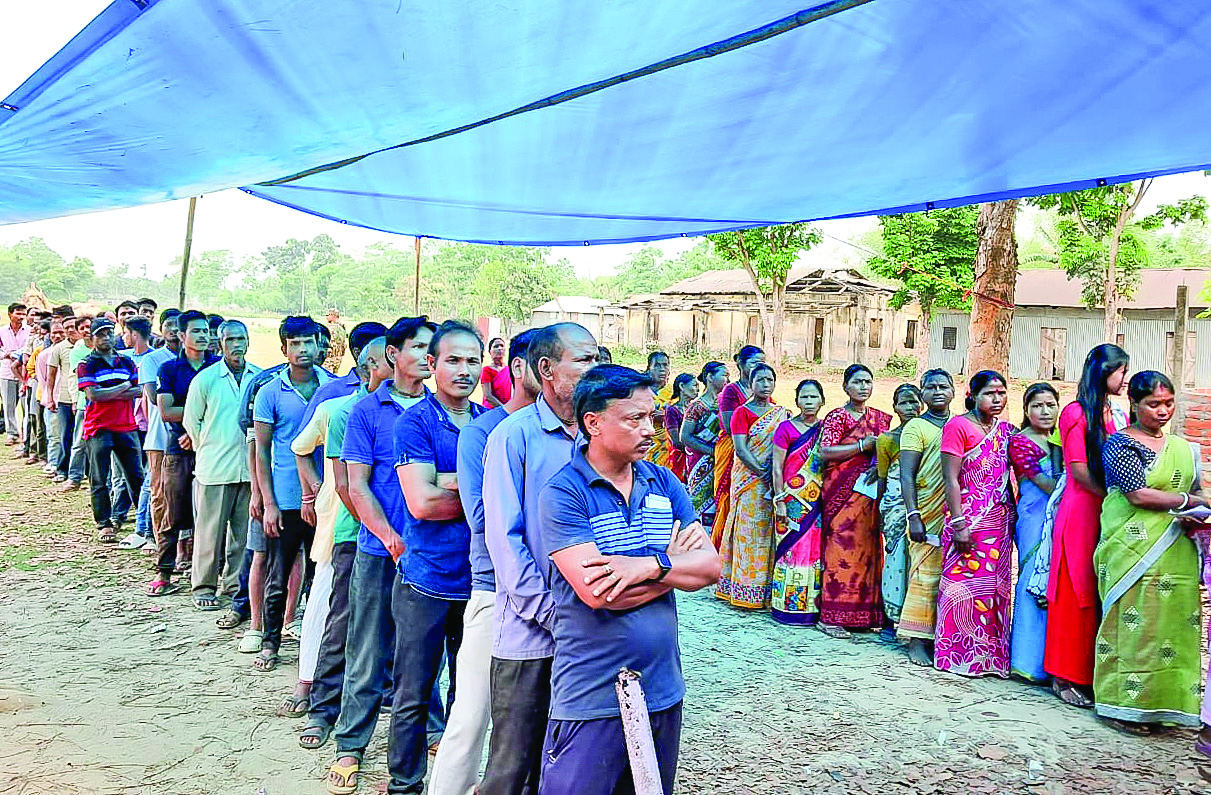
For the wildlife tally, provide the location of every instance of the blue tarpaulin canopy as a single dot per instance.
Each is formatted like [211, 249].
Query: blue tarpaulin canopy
[539, 122]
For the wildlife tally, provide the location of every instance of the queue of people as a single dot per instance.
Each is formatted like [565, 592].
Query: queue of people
[392, 526]
[850, 525]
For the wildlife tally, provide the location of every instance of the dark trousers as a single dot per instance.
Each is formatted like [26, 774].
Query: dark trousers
[521, 699]
[120, 446]
[425, 629]
[589, 757]
[239, 604]
[293, 534]
[177, 482]
[330, 667]
[67, 429]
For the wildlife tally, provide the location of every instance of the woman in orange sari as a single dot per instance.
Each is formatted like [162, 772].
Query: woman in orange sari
[852, 549]
[748, 546]
[662, 447]
[731, 398]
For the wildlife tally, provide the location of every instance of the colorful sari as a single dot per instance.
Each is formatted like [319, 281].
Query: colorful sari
[673, 417]
[894, 519]
[661, 453]
[731, 398]
[747, 539]
[851, 550]
[1147, 663]
[796, 588]
[700, 467]
[972, 635]
[919, 617]
[1029, 634]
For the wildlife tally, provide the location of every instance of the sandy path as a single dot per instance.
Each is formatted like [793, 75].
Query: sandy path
[105, 691]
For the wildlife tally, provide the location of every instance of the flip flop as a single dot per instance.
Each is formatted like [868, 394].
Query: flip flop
[293, 707]
[107, 535]
[319, 734]
[1071, 695]
[229, 620]
[342, 779]
[162, 588]
[834, 631]
[1133, 729]
[265, 661]
[250, 643]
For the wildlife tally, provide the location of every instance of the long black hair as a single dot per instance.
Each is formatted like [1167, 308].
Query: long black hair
[977, 384]
[684, 378]
[1143, 384]
[744, 356]
[1103, 361]
[1033, 391]
[709, 369]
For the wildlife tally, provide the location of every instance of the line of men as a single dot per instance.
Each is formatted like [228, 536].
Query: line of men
[529, 547]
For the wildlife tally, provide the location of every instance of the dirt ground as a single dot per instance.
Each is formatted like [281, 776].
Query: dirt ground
[105, 691]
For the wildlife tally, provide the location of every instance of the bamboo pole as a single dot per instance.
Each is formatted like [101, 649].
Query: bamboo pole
[1181, 318]
[637, 728]
[417, 307]
[193, 206]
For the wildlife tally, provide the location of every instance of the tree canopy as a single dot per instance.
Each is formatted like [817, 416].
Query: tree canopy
[931, 255]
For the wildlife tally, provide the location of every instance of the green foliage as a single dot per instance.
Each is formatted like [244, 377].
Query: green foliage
[647, 271]
[900, 366]
[771, 251]
[1087, 225]
[931, 255]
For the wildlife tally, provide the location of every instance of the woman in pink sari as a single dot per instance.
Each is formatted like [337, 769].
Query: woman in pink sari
[972, 634]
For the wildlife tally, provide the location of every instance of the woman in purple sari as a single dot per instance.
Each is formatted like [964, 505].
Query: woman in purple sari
[972, 634]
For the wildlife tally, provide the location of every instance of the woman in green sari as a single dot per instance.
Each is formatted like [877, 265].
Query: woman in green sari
[1147, 663]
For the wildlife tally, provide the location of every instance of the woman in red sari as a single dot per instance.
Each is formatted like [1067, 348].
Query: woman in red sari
[733, 396]
[1073, 611]
[852, 548]
[685, 391]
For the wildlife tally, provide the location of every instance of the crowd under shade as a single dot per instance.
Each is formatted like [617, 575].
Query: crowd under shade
[531, 122]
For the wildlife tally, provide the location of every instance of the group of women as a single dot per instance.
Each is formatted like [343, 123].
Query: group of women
[849, 525]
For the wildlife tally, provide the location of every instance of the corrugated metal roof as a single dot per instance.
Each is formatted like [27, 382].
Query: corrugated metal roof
[577, 304]
[1157, 289]
[725, 282]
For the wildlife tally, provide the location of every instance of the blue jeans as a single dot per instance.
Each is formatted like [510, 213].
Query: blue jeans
[79, 455]
[67, 434]
[143, 512]
[426, 630]
[369, 651]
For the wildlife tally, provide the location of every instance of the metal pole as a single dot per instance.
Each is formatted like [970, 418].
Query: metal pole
[193, 206]
[417, 307]
[637, 728]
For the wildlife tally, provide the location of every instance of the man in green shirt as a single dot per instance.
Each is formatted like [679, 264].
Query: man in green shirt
[221, 487]
[79, 352]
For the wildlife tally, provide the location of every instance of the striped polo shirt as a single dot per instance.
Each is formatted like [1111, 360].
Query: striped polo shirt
[95, 372]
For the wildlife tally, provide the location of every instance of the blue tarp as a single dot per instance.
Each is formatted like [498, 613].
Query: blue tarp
[539, 122]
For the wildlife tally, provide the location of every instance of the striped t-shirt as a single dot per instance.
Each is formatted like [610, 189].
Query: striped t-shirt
[95, 372]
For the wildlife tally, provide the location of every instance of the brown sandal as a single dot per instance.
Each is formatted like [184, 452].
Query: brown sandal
[1071, 695]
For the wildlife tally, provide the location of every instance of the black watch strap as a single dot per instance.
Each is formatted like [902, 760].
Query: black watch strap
[666, 565]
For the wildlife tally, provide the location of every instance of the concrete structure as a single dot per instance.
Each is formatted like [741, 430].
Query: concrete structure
[1053, 330]
[604, 320]
[833, 316]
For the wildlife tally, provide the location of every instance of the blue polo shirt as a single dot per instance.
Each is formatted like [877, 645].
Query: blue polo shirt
[174, 379]
[369, 440]
[471, 444]
[337, 387]
[280, 404]
[438, 561]
[249, 391]
[579, 506]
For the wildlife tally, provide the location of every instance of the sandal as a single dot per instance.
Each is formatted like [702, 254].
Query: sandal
[206, 603]
[293, 707]
[1071, 695]
[342, 779]
[293, 630]
[834, 631]
[1134, 729]
[229, 620]
[162, 588]
[314, 737]
[251, 641]
[266, 661]
[108, 535]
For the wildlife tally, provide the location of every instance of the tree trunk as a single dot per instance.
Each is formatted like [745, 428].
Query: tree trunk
[996, 275]
[924, 339]
[1113, 299]
[773, 341]
[767, 326]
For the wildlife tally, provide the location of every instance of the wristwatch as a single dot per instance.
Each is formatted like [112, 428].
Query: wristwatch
[666, 565]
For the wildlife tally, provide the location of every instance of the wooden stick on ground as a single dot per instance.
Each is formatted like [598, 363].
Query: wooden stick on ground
[637, 727]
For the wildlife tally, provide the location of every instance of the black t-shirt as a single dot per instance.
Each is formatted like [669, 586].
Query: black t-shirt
[174, 379]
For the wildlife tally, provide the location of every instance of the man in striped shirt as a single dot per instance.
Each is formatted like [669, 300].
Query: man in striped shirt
[111, 383]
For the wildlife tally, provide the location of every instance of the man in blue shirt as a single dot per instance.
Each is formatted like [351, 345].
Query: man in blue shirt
[457, 762]
[350, 382]
[374, 489]
[525, 450]
[622, 534]
[277, 417]
[172, 387]
[434, 582]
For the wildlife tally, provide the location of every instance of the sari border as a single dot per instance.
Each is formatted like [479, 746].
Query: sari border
[1132, 715]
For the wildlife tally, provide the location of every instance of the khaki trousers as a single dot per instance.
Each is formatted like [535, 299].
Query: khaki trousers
[220, 534]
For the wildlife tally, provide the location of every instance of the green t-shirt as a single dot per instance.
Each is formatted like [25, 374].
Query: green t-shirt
[79, 352]
[346, 526]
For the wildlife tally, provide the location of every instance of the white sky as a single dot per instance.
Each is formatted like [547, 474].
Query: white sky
[152, 235]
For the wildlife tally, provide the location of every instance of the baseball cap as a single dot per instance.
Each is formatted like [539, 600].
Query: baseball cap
[100, 323]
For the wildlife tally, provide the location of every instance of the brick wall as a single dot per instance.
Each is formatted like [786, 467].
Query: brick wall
[1194, 421]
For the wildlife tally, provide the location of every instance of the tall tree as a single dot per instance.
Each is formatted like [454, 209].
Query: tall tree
[767, 254]
[932, 256]
[996, 275]
[1100, 241]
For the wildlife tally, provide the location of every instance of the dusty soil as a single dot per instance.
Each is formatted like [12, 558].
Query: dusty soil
[105, 691]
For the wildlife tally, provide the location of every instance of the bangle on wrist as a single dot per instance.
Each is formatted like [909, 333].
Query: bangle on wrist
[1185, 502]
[912, 513]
